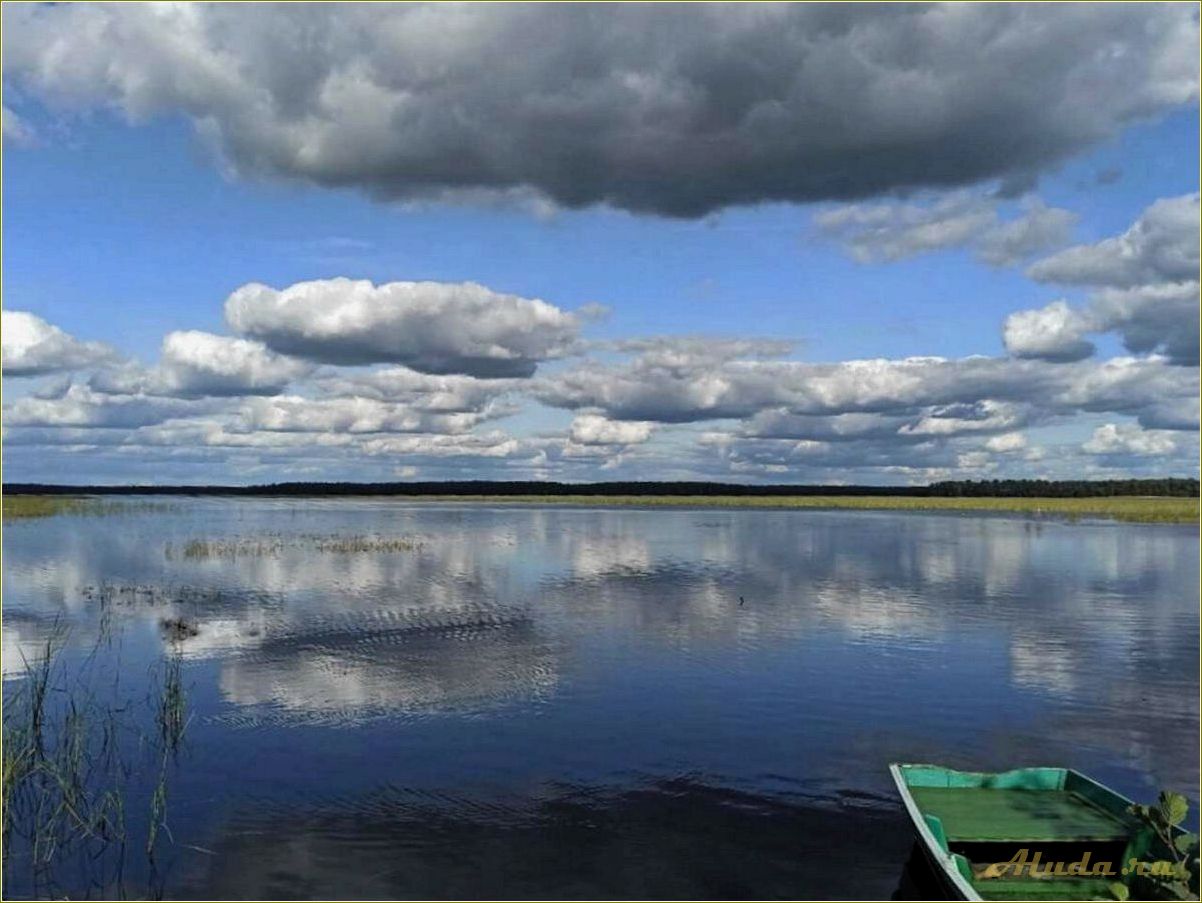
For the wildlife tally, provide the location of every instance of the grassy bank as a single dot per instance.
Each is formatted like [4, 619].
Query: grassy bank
[1152, 510]
[1134, 509]
[19, 506]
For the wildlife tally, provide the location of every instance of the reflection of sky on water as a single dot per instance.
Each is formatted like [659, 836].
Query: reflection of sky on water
[677, 839]
[608, 648]
[407, 661]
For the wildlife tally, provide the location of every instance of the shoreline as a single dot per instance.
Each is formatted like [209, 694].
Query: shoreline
[1126, 509]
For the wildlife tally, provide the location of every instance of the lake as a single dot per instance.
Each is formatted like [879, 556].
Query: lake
[382, 698]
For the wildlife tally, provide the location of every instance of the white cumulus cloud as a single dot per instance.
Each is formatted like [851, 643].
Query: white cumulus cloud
[32, 347]
[1145, 288]
[1113, 439]
[432, 327]
[591, 429]
[1052, 333]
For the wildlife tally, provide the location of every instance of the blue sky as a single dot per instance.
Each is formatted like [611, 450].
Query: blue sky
[126, 220]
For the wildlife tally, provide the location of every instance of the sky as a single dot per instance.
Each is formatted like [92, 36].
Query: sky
[813, 243]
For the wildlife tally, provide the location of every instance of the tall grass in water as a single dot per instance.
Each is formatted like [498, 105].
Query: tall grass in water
[16, 507]
[171, 715]
[1133, 509]
[268, 545]
[71, 767]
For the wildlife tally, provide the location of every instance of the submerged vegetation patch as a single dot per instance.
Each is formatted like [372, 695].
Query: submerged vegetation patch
[270, 545]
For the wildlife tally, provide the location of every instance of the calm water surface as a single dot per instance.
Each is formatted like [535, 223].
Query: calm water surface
[390, 699]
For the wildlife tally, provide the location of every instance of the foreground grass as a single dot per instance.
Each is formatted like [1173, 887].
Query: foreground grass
[1135, 509]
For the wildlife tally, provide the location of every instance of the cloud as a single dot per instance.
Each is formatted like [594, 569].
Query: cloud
[1172, 414]
[875, 233]
[352, 415]
[32, 347]
[1152, 318]
[1145, 285]
[16, 130]
[590, 429]
[909, 420]
[1161, 246]
[432, 327]
[684, 350]
[1037, 229]
[195, 364]
[908, 398]
[888, 232]
[443, 393]
[674, 110]
[1052, 333]
[984, 416]
[1111, 439]
[82, 407]
[1006, 443]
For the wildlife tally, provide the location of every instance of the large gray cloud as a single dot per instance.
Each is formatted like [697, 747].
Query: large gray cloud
[1145, 288]
[432, 327]
[33, 347]
[674, 109]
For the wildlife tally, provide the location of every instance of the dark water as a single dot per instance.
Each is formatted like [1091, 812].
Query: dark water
[573, 703]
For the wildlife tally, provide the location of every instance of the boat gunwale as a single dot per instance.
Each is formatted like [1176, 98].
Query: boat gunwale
[931, 846]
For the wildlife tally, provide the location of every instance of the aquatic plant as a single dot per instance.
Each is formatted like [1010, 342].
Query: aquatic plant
[1133, 509]
[269, 545]
[14, 506]
[66, 771]
[172, 707]
[179, 629]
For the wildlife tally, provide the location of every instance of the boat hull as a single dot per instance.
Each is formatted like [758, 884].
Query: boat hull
[1031, 833]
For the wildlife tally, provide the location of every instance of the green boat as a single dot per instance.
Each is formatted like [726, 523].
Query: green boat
[1027, 834]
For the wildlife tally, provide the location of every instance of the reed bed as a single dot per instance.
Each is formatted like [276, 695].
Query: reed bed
[20, 507]
[271, 545]
[69, 764]
[1134, 509]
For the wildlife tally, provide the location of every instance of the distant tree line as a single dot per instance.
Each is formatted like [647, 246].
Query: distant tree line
[1167, 486]
[1076, 489]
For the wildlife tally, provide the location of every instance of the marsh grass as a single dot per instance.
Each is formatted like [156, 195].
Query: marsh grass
[271, 545]
[109, 596]
[71, 766]
[171, 714]
[17, 507]
[1133, 509]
